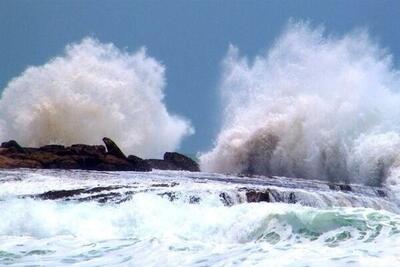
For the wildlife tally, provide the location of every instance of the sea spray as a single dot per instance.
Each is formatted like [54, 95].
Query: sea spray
[314, 106]
[93, 90]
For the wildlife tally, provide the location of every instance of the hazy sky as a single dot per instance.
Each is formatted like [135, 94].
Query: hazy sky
[189, 37]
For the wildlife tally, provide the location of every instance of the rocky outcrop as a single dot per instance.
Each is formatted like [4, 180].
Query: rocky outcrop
[86, 157]
[182, 162]
[113, 149]
[141, 164]
[174, 161]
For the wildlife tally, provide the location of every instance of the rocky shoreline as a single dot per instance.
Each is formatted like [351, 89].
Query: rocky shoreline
[88, 157]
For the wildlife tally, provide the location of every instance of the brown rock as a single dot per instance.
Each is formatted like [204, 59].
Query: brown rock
[6, 162]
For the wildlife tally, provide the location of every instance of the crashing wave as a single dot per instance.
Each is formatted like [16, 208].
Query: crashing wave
[314, 106]
[93, 90]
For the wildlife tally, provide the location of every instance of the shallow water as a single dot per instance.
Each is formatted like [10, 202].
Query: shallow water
[180, 219]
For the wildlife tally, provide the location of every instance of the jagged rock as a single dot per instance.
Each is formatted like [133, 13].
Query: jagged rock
[181, 161]
[87, 157]
[113, 149]
[139, 164]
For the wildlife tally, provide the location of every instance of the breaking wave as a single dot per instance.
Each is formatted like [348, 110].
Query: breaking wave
[93, 90]
[314, 106]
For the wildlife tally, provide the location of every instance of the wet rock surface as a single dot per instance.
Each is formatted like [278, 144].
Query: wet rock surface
[86, 157]
[174, 161]
[190, 187]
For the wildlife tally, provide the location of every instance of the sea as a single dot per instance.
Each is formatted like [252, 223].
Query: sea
[177, 218]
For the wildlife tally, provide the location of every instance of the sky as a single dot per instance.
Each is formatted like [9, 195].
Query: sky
[190, 38]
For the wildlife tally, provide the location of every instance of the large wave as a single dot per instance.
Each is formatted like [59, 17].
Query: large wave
[93, 90]
[314, 106]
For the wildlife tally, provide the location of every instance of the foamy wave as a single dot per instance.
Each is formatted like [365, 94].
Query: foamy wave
[93, 90]
[313, 106]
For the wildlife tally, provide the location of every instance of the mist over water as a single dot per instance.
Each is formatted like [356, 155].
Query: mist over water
[91, 91]
[313, 106]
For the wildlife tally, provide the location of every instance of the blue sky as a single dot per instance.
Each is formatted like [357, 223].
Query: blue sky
[189, 37]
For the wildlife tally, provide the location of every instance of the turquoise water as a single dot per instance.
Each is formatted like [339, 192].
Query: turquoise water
[149, 229]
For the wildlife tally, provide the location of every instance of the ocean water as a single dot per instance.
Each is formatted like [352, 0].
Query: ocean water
[166, 218]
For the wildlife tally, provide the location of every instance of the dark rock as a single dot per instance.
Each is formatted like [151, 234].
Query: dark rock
[61, 194]
[13, 144]
[381, 193]
[113, 149]
[53, 148]
[81, 149]
[66, 163]
[345, 187]
[226, 199]
[139, 164]
[181, 161]
[339, 187]
[256, 196]
[45, 158]
[113, 163]
[170, 195]
[292, 198]
[194, 199]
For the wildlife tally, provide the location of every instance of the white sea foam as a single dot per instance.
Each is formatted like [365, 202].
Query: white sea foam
[151, 229]
[314, 106]
[93, 90]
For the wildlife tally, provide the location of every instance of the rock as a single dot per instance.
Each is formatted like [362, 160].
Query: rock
[139, 164]
[56, 149]
[181, 161]
[13, 144]
[66, 163]
[113, 163]
[9, 163]
[87, 157]
[81, 149]
[174, 161]
[113, 149]
[256, 196]
[47, 159]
